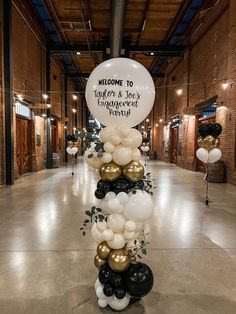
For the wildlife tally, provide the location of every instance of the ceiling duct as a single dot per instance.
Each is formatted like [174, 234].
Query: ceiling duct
[118, 11]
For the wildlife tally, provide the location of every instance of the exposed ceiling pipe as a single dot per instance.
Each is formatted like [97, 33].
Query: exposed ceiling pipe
[117, 24]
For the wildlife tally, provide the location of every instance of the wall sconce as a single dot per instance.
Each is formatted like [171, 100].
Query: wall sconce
[179, 91]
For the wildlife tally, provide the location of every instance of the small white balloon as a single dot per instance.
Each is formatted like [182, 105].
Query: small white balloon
[118, 242]
[130, 226]
[214, 155]
[120, 304]
[69, 150]
[110, 195]
[104, 206]
[116, 222]
[93, 162]
[106, 158]
[122, 155]
[102, 303]
[136, 154]
[98, 284]
[101, 225]
[129, 235]
[127, 142]
[124, 131]
[202, 154]
[115, 139]
[99, 293]
[136, 138]
[108, 147]
[108, 235]
[74, 150]
[96, 234]
[123, 197]
[106, 133]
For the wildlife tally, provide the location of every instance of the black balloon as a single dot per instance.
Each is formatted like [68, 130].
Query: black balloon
[216, 129]
[104, 185]
[116, 280]
[108, 290]
[204, 129]
[121, 185]
[140, 184]
[105, 274]
[99, 194]
[69, 138]
[74, 138]
[120, 292]
[138, 279]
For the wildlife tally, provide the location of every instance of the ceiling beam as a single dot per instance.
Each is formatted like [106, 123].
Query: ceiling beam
[160, 50]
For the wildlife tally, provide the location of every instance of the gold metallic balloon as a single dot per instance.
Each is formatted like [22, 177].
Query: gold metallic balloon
[99, 262]
[70, 144]
[119, 260]
[209, 142]
[110, 171]
[103, 250]
[200, 142]
[217, 142]
[133, 171]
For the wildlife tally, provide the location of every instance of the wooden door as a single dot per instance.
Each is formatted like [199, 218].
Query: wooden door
[54, 139]
[23, 145]
[200, 166]
[174, 145]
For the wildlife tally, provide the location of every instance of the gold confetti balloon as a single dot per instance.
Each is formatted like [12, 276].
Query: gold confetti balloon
[119, 260]
[110, 171]
[103, 250]
[133, 171]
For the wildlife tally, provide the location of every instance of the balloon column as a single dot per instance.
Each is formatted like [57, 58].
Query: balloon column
[120, 94]
[209, 143]
[72, 148]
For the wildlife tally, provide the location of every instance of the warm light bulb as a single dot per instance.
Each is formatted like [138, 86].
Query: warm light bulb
[161, 120]
[74, 97]
[157, 125]
[65, 127]
[147, 120]
[78, 53]
[73, 110]
[45, 96]
[225, 85]
[49, 105]
[44, 115]
[179, 92]
[142, 127]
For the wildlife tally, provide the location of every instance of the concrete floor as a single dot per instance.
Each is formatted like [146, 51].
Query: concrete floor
[46, 266]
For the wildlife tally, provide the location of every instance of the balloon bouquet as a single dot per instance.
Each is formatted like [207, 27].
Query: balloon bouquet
[209, 143]
[72, 148]
[119, 221]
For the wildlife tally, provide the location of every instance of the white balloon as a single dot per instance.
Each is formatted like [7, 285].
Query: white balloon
[69, 150]
[136, 138]
[146, 227]
[93, 162]
[124, 131]
[120, 92]
[116, 222]
[130, 225]
[108, 147]
[108, 235]
[129, 235]
[122, 155]
[99, 293]
[104, 206]
[96, 234]
[118, 242]
[102, 303]
[136, 154]
[115, 139]
[74, 150]
[106, 133]
[106, 158]
[214, 155]
[120, 304]
[101, 225]
[110, 195]
[114, 203]
[202, 154]
[98, 284]
[127, 142]
[139, 207]
[123, 197]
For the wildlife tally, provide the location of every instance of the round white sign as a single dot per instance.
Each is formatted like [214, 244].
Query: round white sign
[120, 92]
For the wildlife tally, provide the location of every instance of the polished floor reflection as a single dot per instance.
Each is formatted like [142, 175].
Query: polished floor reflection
[46, 266]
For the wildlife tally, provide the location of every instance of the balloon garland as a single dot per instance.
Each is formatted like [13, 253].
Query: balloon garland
[208, 151]
[119, 220]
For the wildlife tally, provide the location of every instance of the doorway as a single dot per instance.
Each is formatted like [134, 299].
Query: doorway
[174, 145]
[23, 145]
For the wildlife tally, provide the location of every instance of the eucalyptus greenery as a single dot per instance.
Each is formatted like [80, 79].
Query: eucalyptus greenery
[145, 184]
[89, 137]
[140, 246]
[95, 214]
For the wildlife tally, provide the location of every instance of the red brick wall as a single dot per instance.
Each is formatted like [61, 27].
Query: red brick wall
[211, 59]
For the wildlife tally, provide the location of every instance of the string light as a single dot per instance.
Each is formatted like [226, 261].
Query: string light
[156, 125]
[147, 120]
[179, 91]
[74, 96]
[160, 120]
[73, 110]
[225, 85]
[49, 105]
[45, 96]
[44, 115]
[78, 53]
